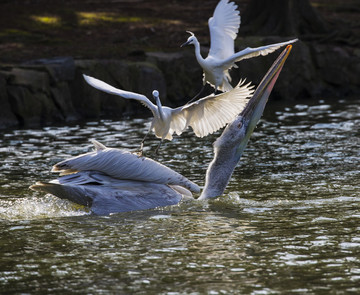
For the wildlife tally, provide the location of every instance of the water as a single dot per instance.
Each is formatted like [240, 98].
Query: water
[288, 222]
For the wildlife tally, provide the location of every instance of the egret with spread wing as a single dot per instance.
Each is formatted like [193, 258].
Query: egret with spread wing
[205, 116]
[224, 26]
[110, 180]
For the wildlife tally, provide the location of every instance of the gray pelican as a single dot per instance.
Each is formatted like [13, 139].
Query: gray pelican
[205, 116]
[224, 26]
[110, 180]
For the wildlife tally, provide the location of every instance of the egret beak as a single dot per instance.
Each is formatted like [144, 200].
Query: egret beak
[184, 44]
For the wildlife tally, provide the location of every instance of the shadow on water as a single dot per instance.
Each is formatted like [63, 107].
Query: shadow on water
[287, 223]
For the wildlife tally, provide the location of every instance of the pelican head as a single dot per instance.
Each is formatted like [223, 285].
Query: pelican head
[191, 40]
[229, 147]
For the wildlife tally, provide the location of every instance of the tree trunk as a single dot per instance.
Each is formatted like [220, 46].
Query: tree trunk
[282, 18]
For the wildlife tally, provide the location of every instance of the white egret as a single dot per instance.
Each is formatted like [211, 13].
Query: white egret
[224, 26]
[110, 180]
[205, 116]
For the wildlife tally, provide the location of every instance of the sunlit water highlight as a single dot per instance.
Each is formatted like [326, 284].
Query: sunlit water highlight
[288, 222]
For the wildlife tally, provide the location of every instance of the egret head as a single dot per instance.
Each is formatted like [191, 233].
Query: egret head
[156, 95]
[191, 40]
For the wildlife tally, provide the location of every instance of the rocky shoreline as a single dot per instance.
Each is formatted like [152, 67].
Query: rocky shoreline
[52, 91]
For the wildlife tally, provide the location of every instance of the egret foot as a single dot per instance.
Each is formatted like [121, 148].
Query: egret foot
[139, 152]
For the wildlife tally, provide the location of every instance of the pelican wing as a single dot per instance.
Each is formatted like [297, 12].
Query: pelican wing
[123, 165]
[211, 113]
[105, 198]
[224, 26]
[253, 52]
[101, 85]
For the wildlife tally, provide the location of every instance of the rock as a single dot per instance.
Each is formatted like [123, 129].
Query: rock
[49, 91]
[333, 73]
[59, 68]
[7, 116]
[35, 80]
[62, 98]
[183, 74]
[32, 110]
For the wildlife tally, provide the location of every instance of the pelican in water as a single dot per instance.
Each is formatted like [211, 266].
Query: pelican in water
[110, 180]
[224, 26]
[205, 116]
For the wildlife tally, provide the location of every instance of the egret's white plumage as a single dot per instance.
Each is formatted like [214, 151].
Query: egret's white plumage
[205, 116]
[224, 26]
[110, 180]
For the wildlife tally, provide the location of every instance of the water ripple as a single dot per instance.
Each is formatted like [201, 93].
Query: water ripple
[288, 221]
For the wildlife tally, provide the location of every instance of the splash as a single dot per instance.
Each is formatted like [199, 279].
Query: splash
[35, 207]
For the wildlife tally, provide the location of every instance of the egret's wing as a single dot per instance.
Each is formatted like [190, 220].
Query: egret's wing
[223, 26]
[263, 50]
[124, 165]
[178, 121]
[211, 113]
[101, 85]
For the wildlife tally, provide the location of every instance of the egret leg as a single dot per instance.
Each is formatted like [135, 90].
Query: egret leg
[216, 92]
[157, 149]
[142, 142]
[197, 95]
[140, 151]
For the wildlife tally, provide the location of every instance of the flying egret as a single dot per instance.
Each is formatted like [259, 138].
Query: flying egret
[205, 116]
[224, 26]
[110, 180]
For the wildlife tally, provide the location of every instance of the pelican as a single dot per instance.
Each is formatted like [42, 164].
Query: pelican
[205, 116]
[224, 26]
[110, 180]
